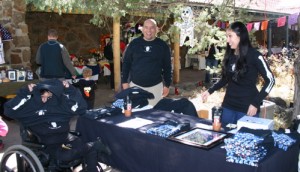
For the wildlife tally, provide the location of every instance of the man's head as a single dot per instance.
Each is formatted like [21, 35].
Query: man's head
[45, 95]
[52, 34]
[149, 29]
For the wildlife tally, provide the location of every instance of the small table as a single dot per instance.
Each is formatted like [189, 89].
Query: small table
[200, 61]
[95, 71]
[11, 88]
[105, 66]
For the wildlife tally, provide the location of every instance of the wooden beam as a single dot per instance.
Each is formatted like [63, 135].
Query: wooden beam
[116, 51]
[176, 61]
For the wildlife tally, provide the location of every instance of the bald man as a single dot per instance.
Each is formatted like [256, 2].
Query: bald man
[147, 63]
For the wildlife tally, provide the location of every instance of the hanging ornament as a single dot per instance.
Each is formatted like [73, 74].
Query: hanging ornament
[2, 61]
[187, 26]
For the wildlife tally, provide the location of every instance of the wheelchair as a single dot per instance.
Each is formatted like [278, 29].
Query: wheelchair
[30, 157]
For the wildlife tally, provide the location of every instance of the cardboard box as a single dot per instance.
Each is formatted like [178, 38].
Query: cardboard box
[255, 123]
[267, 109]
[203, 114]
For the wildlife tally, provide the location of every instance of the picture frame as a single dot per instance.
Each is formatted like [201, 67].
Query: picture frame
[200, 138]
[12, 75]
[29, 75]
[21, 75]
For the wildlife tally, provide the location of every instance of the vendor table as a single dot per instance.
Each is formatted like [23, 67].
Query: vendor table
[95, 71]
[200, 61]
[135, 151]
[105, 66]
[9, 88]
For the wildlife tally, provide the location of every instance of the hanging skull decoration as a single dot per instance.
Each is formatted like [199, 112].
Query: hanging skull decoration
[187, 26]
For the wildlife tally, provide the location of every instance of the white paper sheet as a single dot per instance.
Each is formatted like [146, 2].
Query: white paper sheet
[204, 126]
[135, 123]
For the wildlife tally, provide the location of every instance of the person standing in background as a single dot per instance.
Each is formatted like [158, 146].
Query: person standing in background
[147, 63]
[54, 59]
[109, 55]
[210, 61]
[241, 66]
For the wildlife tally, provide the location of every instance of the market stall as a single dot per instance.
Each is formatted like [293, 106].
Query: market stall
[134, 150]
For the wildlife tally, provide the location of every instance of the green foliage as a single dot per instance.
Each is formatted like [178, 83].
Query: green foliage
[205, 33]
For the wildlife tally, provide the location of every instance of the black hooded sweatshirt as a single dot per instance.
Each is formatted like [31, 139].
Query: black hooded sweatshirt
[47, 118]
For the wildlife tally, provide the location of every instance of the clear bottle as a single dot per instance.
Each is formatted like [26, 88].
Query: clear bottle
[127, 107]
[217, 120]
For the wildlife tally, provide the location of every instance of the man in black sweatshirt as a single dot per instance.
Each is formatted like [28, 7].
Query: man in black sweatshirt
[147, 63]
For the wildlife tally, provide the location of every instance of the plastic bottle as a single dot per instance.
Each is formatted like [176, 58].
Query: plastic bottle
[127, 107]
[217, 120]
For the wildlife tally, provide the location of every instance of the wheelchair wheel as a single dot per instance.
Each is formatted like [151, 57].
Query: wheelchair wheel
[19, 158]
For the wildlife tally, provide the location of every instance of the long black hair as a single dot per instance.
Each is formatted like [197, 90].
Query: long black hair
[241, 31]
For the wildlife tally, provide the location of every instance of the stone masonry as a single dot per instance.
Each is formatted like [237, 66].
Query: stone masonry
[12, 17]
[29, 30]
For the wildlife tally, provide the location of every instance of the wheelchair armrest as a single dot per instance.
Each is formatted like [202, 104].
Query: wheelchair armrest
[75, 133]
[33, 145]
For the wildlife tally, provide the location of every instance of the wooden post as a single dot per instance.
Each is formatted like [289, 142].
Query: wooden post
[176, 60]
[116, 51]
[297, 81]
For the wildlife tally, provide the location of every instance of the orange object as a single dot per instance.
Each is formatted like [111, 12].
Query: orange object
[264, 25]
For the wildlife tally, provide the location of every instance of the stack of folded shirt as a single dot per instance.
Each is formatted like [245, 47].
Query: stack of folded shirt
[168, 128]
[245, 148]
[249, 146]
[282, 141]
[102, 112]
[138, 97]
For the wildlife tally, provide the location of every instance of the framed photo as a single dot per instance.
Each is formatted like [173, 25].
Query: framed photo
[12, 75]
[199, 138]
[21, 75]
[29, 75]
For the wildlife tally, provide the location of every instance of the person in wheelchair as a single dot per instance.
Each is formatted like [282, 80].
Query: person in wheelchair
[46, 109]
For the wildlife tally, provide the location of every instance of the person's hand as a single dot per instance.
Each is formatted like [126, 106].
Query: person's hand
[252, 110]
[125, 86]
[166, 91]
[30, 87]
[205, 95]
[66, 84]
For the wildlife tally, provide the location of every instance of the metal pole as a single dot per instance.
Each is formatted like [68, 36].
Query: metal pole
[287, 33]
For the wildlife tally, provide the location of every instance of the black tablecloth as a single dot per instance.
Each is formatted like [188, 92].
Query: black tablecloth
[134, 151]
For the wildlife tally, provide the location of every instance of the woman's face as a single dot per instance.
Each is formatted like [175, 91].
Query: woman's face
[232, 39]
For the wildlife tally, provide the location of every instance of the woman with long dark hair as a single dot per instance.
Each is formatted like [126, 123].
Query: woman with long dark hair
[241, 67]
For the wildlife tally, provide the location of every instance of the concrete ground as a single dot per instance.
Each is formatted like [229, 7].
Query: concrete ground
[104, 97]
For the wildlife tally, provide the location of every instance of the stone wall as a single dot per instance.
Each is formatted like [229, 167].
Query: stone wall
[74, 30]
[29, 30]
[12, 17]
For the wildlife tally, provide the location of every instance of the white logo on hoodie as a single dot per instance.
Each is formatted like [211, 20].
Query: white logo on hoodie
[41, 112]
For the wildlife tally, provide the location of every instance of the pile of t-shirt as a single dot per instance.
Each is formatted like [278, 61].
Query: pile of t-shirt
[245, 148]
[250, 146]
[168, 128]
[282, 141]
